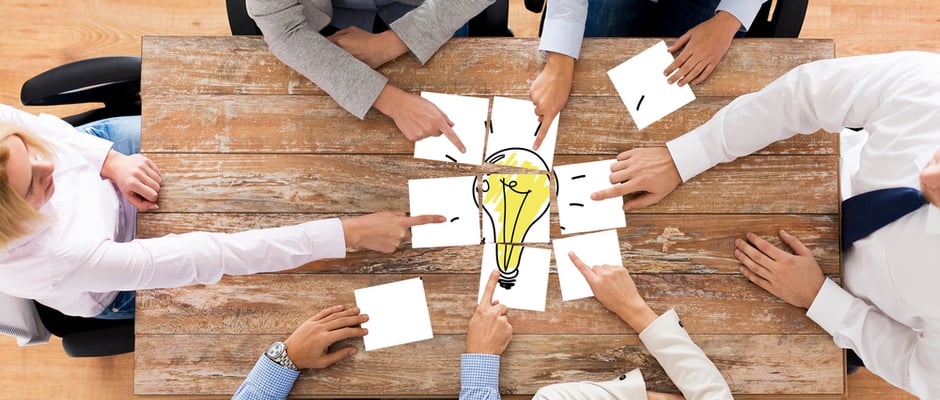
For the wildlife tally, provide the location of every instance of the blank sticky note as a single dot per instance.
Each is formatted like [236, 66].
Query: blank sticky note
[577, 212]
[455, 199]
[469, 117]
[398, 313]
[597, 248]
[523, 280]
[513, 128]
[645, 90]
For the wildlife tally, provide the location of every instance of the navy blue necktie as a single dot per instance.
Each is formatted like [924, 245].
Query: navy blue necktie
[866, 213]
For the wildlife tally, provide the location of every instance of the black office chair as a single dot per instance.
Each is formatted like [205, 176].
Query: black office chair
[786, 21]
[493, 21]
[115, 82]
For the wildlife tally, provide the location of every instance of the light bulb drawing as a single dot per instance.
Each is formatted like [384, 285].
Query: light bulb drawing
[513, 203]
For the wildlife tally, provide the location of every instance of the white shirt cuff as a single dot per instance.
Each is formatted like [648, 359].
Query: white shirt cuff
[830, 306]
[689, 155]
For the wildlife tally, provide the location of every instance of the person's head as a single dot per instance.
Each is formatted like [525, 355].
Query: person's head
[25, 182]
[930, 180]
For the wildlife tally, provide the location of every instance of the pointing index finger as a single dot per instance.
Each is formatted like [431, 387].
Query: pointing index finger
[424, 219]
[490, 288]
[584, 268]
[452, 136]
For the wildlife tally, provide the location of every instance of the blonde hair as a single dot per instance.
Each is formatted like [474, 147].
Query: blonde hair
[18, 218]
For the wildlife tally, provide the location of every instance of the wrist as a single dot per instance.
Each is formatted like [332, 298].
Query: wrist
[110, 161]
[558, 63]
[728, 21]
[392, 45]
[389, 100]
[350, 232]
[637, 315]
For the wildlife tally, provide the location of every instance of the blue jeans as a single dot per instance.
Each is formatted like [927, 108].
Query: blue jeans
[121, 308]
[124, 132]
[644, 18]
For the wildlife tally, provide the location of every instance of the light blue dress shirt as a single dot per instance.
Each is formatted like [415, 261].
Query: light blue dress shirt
[565, 19]
[479, 377]
[266, 381]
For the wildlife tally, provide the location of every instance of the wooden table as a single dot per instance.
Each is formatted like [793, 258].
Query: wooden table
[245, 142]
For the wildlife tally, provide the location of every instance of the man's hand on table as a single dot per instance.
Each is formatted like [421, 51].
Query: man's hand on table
[383, 231]
[489, 331]
[794, 278]
[648, 171]
[703, 46]
[309, 345]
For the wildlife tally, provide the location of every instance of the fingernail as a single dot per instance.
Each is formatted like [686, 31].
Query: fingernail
[783, 232]
[353, 351]
[594, 196]
[154, 207]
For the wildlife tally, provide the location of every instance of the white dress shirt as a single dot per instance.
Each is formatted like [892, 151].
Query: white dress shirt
[684, 362]
[564, 22]
[74, 264]
[889, 310]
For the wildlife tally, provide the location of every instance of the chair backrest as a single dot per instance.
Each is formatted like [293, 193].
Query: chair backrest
[238, 19]
[786, 20]
[493, 21]
[114, 81]
[19, 318]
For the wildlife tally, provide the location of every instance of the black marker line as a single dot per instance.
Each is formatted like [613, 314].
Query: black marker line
[576, 204]
[562, 228]
[450, 158]
[454, 219]
[577, 177]
[537, 129]
[641, 102]
[491, 126]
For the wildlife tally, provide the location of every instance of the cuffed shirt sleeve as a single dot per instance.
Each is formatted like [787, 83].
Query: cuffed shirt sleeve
[266, 381]
[743, 10]
[426, 28]
[479, 377]
[563, 31]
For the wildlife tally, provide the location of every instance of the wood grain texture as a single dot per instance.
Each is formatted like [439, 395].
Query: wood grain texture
[750, 363]
[707, 303]
[652, 243]
[356, 183]
[205, 65]
[589, 125]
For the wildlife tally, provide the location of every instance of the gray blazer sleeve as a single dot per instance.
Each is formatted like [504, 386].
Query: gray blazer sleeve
[425, 29]
[294, 38]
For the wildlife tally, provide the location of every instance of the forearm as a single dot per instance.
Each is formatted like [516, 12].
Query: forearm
[291, 38]
[686, 364]
[202, 257]
[426, 28]
[907, 358]
[563, 31]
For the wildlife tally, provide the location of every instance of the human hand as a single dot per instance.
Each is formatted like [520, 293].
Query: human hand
[930, 180]
[137, 177]
[309, 345]
[649, 170]
[550, 91]
[614, 288]
[795, 279]
[383, 231]
[489, 331]
[374, 49]
[415, 116]
[703, 46]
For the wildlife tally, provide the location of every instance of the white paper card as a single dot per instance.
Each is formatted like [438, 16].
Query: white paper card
[577, 212]
[645, 90]
[513, 127]
[596, 248]
[469, 117]
[526, 279]
[455, 199]
[515, 208]
[398, 313]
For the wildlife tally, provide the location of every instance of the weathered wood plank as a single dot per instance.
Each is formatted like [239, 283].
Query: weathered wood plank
[243, 65]
[752, 364]
[708, 304]
[353, 183]
[175, 123]
[651, 243]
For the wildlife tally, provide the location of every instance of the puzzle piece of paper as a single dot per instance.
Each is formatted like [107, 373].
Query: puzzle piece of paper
[513, 127]
[398, 313]
[525, 272]
[596, 248]
[645, 90]
[455, 199]
[515, 208]
[469, 117]
[576, 211]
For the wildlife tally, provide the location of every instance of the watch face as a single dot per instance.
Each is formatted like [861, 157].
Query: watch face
[275, 350]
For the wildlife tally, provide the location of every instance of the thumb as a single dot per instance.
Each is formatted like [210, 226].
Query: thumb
[337, 356]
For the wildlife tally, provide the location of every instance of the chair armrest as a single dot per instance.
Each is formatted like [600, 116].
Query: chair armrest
[101, 80]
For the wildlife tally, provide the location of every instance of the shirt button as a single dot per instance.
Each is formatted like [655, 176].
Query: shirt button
[680, 325]
[622, 377]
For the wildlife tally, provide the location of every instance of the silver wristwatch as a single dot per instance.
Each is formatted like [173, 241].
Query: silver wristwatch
[277, 352]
